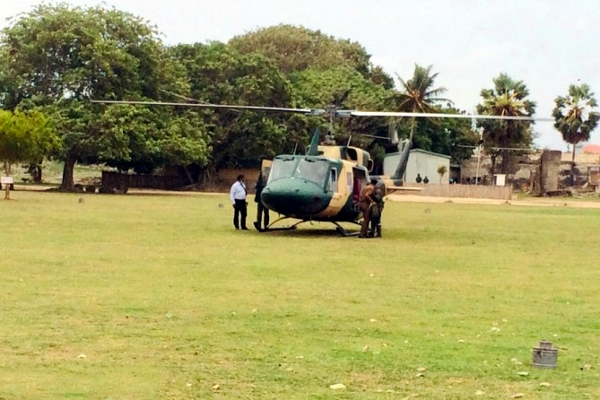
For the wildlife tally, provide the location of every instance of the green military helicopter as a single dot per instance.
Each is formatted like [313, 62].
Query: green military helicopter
[322, 185]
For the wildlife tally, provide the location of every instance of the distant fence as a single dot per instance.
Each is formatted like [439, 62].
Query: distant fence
[468, 191]
[114, 180]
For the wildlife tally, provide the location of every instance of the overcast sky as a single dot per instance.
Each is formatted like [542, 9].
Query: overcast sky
[548, 44]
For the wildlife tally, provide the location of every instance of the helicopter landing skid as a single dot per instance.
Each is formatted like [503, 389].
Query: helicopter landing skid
[340, 229]
[282, 228]
[343, 231]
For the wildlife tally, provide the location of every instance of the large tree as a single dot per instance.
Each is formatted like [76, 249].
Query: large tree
[508, 97]
[295, 49]
[219, 74]
[576, 117]
[60, 56]
[324, 71]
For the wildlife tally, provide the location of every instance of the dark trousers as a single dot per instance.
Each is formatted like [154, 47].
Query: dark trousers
[262, 211]
[240, 213]
[366, 212]
[375, 229]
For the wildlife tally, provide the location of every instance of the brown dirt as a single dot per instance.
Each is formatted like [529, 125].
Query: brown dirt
[541, 202]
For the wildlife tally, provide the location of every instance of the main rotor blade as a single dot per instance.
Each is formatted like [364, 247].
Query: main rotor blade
[441, 115]
[221, 106]
[308, 111]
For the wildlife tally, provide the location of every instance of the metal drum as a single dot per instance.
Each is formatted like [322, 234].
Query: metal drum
[545, 356]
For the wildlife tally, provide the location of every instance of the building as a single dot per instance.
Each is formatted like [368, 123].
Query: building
[425, 163]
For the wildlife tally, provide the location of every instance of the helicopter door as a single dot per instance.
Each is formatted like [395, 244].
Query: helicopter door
[336, 181]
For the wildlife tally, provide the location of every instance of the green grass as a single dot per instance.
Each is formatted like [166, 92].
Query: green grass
[157, 297]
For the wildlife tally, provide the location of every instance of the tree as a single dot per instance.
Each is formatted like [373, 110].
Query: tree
[441, 170]
[59, 56]
[575, 117]
[219, 74]
[508, 97]
[418, 94]
[155, 138]
[24, 137]
[294, 49]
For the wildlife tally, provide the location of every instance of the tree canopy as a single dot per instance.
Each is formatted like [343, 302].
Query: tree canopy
[453, 137]
[508, 97]
[294, 49]
[575, 115]
[24, 136]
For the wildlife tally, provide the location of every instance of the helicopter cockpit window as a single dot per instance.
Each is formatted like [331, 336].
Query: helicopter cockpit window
[282, 168]
[333, 182]
[312, 170]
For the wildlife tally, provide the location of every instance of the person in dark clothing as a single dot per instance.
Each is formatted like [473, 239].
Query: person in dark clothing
[238, 195]
[377, 209]
[261, 210]
[365, 203]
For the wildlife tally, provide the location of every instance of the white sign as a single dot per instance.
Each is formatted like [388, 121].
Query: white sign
[6, 180]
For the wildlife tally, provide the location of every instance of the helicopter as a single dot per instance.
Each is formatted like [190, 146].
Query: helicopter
[324, 184]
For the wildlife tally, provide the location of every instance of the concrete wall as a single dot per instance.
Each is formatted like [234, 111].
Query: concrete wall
[525, 173]
[466, 191]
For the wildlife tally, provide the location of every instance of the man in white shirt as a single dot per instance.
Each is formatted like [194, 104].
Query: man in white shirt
[238, 194]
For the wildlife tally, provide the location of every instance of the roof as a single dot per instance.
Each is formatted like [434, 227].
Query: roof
[421, 151]
[591, 149]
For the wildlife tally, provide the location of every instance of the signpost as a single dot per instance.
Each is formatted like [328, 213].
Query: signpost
[6, 181]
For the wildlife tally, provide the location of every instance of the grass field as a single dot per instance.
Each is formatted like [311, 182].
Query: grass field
[157, 297]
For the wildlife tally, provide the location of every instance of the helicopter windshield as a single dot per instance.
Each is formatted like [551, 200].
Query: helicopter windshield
[282, 168]
[309, 169]
[312, 170]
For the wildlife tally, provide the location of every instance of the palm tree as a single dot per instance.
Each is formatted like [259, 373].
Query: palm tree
[418, 94]
[507, 98]
[575, 117]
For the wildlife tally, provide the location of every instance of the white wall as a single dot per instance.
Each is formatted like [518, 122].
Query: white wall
[419, 162]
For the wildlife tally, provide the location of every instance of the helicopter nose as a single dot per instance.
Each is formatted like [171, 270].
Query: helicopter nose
[295, 197]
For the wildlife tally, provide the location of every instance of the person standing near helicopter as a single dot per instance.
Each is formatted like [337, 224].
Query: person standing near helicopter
[377, 210]
[238, 194]
[365, 203]
[261, 210]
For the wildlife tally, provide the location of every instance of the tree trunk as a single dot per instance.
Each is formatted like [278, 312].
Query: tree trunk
[493, 166]
[412, 129]
[67, 184]
[573, 167]
[189, 176]
[7, 188]
[37, 173]
[505, 162]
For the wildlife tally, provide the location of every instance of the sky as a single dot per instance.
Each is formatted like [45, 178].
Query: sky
[548, 44]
